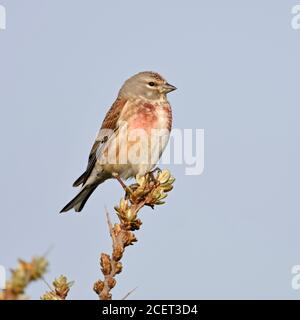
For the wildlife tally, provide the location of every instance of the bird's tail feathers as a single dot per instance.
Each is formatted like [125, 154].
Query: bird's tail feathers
[79, 201]
[80, 180]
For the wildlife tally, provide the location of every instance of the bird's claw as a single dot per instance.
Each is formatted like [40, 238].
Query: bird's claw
[127, 189]
[151, 173]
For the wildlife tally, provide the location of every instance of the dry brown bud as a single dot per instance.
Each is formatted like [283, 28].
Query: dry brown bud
[118, 267]
[105, 263]
[118, 252]
[111, 282]
[98, 286]
[128, 238]
[62, 286]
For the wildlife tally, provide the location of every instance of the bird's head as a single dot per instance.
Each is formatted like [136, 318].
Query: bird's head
[148, 85]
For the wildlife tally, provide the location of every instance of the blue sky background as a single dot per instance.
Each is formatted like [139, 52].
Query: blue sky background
[232, 232]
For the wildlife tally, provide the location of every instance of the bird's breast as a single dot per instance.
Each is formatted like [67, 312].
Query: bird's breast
[149, 116]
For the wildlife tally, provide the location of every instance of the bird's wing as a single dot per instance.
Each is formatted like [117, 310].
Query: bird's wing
[108, 127]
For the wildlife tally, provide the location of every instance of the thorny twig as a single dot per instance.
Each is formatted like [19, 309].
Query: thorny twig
[149, 190]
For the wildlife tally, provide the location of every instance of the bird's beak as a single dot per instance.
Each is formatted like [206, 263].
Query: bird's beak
[167, 87]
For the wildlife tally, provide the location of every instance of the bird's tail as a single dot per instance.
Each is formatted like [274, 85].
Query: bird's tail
[79, 201]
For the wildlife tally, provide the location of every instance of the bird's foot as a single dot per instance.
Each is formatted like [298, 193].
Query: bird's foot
[127, 189]
[151, 173]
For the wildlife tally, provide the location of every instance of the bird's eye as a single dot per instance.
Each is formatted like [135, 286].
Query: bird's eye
[151, 84]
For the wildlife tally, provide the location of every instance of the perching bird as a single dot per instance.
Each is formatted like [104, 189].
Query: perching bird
[140, 109]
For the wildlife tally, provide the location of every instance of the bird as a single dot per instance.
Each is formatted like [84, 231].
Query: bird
[140, 108]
